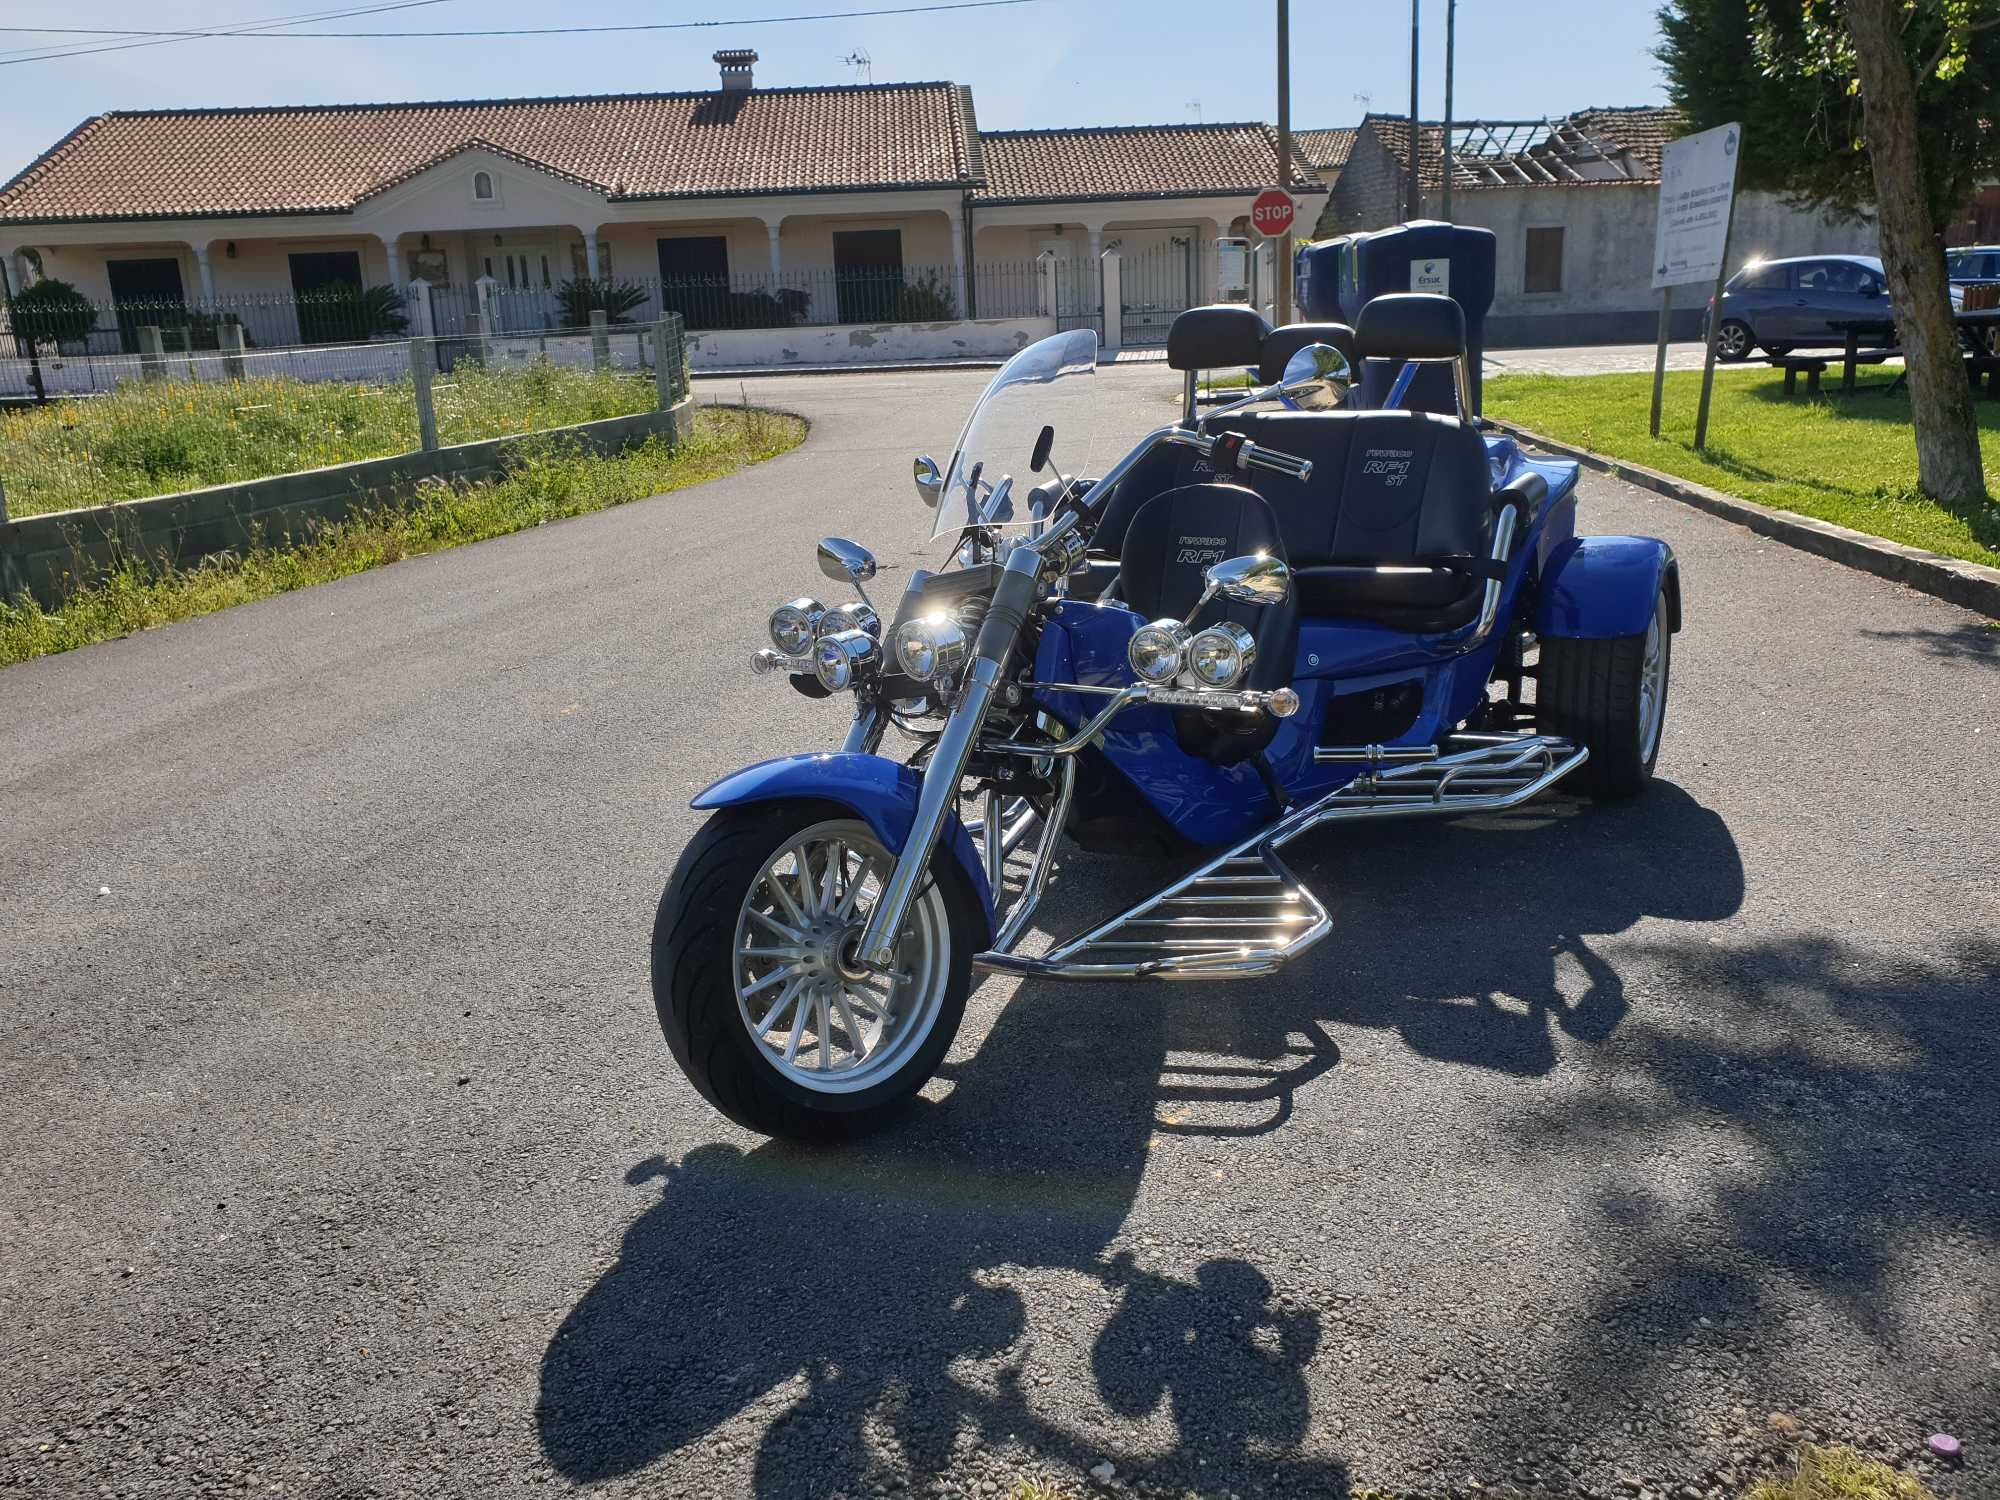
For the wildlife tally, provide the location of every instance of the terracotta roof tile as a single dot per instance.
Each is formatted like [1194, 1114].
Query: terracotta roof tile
[1325, 149]
[325, 159]
[1132, 161]
[1642, 131]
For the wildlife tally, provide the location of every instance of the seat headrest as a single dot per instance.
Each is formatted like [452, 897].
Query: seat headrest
[1280, 344]
[1411, 325]
[1207, 338]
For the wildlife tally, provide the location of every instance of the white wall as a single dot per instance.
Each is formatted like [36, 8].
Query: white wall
[1608, 248]
[864, 344]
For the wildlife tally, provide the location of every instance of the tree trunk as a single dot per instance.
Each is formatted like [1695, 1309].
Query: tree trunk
[1948, 464]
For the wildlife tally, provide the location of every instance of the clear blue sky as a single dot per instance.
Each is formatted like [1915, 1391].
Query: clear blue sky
[1052, 62]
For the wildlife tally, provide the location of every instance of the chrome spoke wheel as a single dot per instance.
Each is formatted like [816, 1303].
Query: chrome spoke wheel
[819, 1017]
[1653, 682]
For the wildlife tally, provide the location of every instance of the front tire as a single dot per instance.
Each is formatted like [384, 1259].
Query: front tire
[1611, 696]
[1733, 340]
[758, 996]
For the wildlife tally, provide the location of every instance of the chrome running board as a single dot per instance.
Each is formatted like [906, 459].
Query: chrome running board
[1245, 914]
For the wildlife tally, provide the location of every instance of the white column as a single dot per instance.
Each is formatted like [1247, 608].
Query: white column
[207, 275]
[18, 270]
[1112, 299]
[590, 251]
[389, 253]
[775, 228]
[958, 261]
[1096, 239]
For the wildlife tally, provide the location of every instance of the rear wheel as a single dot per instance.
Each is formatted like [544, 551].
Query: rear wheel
[756, 985]
[1777, 351]
[1610, 696]
[1733, 340]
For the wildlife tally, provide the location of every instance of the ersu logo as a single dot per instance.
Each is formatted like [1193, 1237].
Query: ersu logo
[1392, 464]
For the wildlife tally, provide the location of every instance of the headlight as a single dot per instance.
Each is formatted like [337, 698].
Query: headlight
[844, 658]
[1156, 650]
[933, 647]
[795, 626]
[1221, 654]
[855, 616]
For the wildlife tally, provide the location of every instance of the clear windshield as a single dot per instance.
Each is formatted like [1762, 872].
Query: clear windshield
[1042, 386]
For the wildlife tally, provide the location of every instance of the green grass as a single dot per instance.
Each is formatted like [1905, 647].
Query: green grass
[1847, 459]
[546, 482]
[160, 437]
[1838, 1473]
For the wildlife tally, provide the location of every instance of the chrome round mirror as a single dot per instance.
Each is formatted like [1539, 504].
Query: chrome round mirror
[1255, 579]
[1316, 378]
[845, 561]
[929, 479]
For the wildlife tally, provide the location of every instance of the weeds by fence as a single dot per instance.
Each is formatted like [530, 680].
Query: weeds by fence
[175, 423]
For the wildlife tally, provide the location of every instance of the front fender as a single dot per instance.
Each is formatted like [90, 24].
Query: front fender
[879, 791]
[1597, 588]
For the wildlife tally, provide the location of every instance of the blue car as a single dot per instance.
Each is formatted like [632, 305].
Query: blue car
[1782, 305]
[1290, 614]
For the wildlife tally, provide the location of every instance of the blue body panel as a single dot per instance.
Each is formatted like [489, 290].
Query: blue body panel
[879, 791]
[1209, 804]
[1598, 588]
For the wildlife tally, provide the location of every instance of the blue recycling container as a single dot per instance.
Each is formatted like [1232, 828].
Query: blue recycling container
[1334, 279]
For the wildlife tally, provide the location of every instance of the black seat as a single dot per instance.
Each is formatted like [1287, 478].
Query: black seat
[1282, 343]
[1407, 491]
[1172, 541]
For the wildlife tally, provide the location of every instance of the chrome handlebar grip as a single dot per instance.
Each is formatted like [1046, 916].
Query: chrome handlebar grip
[1256, 456]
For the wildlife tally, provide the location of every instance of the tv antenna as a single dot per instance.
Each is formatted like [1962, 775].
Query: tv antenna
[1193, 107]
[1366, 101]
[863, 65]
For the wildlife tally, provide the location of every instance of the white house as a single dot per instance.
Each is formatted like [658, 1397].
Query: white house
[740, 207]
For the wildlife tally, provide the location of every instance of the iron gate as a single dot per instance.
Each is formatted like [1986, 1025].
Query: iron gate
[1158, 283]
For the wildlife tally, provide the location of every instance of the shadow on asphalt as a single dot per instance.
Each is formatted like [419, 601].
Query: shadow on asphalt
[1978, 643]
[845, 1291]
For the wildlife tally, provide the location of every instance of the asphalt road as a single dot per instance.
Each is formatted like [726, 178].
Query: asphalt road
[343, 1157]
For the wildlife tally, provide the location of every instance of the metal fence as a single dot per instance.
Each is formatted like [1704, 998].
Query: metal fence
[1157, 284]
[170, 421]
[68, 334]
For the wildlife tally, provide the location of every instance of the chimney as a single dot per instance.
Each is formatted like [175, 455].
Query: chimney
[735, 67]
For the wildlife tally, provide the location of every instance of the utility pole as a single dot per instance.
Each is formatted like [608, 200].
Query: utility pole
[1450, 47]
[1414, 204]
[1281, 252]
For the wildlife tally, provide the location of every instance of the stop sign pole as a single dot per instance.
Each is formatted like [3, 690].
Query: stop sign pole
[1282, 255]
[1271, 216]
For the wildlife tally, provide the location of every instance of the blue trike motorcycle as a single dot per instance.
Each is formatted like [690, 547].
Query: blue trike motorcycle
[1313, 605]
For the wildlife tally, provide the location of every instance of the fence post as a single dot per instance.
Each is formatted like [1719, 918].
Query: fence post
[12, 587]
[600, 338]
[1111, 273]
[152, 353]
[417, 297]
[485, 288]
[421, 366]
[669, 360]
[1045, 276]
[232, 349]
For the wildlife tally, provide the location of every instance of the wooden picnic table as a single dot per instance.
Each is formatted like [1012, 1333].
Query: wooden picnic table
[1980, 320]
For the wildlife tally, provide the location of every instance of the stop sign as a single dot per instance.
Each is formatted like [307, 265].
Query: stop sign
[1271, 214]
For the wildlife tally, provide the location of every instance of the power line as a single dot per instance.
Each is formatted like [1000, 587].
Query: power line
[159, 38]
[126, 43]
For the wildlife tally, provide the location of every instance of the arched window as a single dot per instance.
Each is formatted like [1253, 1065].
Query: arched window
[482, 186]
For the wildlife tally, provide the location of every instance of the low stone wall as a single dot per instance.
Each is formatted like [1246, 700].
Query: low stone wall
[49, 555]
[846, 345]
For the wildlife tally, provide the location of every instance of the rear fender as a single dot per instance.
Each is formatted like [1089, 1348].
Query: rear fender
[880, 792]
[1598, 588]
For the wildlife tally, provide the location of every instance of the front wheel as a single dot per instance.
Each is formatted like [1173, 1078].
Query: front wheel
[1610, 696]
[1733, 340]
[754, 976]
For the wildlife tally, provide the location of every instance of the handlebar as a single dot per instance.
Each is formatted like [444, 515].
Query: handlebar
[1233, 450]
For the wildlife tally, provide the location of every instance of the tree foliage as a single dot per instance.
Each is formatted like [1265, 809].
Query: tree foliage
[1786, 70]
